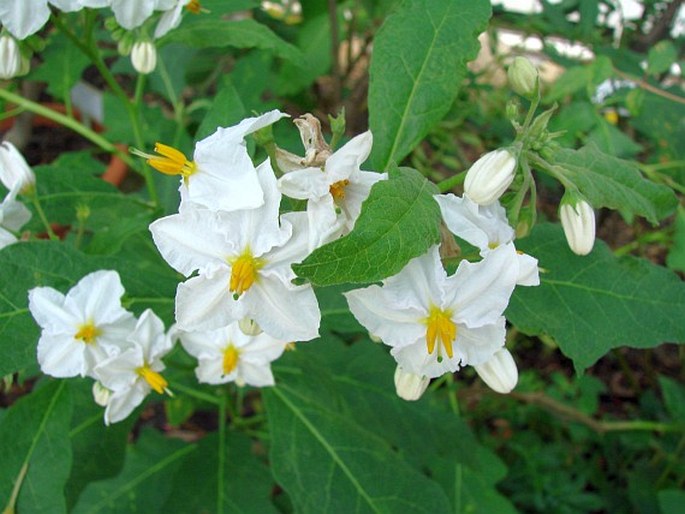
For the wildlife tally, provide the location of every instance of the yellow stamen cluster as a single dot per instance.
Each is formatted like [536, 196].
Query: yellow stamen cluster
[231, 357]
[337, 189]
[156, 381]
[194, 6]
[87, 332]
[169, 161]
[439, 325]
[244, 272]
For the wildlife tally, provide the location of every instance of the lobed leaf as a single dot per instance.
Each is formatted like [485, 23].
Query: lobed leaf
[419, 61]
[399, 221]
[592, 304]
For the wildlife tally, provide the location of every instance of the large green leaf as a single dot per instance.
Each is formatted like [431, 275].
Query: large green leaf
[592, 304]
[247, 481]
[419, 61]
[54, 264]
[145, 482]
[34, 438]
[227, 109]
[207, 33]
[399, 221]
[610, 182]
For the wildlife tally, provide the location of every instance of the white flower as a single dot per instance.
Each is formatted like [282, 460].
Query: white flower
[131, 13]
[490, 176]
[144, 57]
[335, 193]
[486, 228]
[13, 216]
[409, 386]
[578, 221]
[230, 355]
[84, 327]
[133, 373]
[171, 18]
[25, 17]
[10, 58]
[244, 261]
[436, 323]
[221, 175]
[499, 372]
[15, 173]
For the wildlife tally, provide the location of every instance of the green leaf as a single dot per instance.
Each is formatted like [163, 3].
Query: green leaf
[610, 182]
[575, 79]
[34, 436]
[671, 501]
[399, 221]
[98, 450]
[54, 264]
[676, 255]
[62, 66]
[592, 304]
[328, 462]
[418, 63]
[145, 482]
[208, 33]
[226, 110]
[248, 482]
[613, 141]
[660, 58]
[674, 397]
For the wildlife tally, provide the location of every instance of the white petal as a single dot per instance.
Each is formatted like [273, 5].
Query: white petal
[284, 311]
[356, 192]
[396, 325]
[294, 250]
[67, 5]
[325, 225]
[25, 17]
[118, 373]
[210, 371]
[47, 308]
[419, 284]
[462, 219]
[349, 157]
[121, 404]
[150, 335]
[170, 19]
[305, 184]
[192, 239]
[205, 302]
[479, 292]
[61, 356]
[257, 375]
[13, 214]
[132, 13]
[499, 372]
[6, 238]
[529, 274]
[415, 359]
[207, 344]
[476, 345]
[261, 349]
[98, 297]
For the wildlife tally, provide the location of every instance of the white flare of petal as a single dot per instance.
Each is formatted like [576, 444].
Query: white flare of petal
[95, 300]
[485, 227]
[474, 297]
[13, 216]
[499, 372]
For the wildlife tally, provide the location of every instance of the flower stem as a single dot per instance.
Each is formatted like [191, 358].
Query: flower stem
[449, 183]
[205, 397]
[42, 216]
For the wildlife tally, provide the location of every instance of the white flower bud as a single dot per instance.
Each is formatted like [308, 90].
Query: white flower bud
[490, 176]
[144, 57]
[101, 394]
[578, 220]
[499, 372]
[10, 58]
[249, 327]
[15, 173]
[409, 386]
[523, 76]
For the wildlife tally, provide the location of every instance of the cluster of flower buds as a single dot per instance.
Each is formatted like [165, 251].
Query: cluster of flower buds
[88, 333]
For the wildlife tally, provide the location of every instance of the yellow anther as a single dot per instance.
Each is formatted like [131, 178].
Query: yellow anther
[87, 332]
[337, 189]
[156, 381]
[194, 7]
[290, 347]
[169, 161]
[439, 325]
[231, 358]
[244, 272]
[493, 245]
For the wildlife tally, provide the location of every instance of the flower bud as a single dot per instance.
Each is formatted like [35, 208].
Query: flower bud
[409, 386]
[499, 372]
[249, 327]
[523, 76]
[15, 173]
[101, 394]
[490, 176]
[144, 57]
[10, 58]
[578, 220]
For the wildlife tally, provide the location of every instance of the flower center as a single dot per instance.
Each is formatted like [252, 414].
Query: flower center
[87, 332]
[244, 272]
[156, 381]
[194, 6]
[231, 357]
[439, 325]
[337, 189]
[169, 161]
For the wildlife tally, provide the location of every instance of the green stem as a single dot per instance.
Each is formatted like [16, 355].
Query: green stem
[531, 111]
[450, 183]
[42, 216]
[177, 105]
[555, 171]
[222, 456]
[196, 394]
